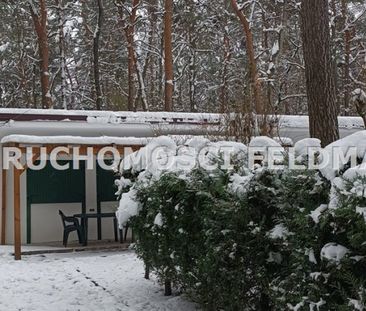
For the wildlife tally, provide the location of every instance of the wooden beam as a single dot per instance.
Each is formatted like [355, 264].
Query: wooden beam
[35, 157]
[82, 151]
[17, 175]
[3, 206]
[17, 223]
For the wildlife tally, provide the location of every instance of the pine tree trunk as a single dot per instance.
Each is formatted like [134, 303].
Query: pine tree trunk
[334, 49]
[168, 55]
[62, 56]
[192, 72]
[98, 88]
[256, 88]
[40, 25]
[134, 67]
[347, 53]
[130, 32]
[320, 85]
[224, 105]
[151, 66]
[254, 80]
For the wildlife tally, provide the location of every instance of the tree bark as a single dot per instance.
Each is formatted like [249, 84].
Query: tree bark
[320, 84]
[62, 55]
[134, 67]
[192, 67]
[224, 105]
[142, 88]
[40, 25]
[152, 63]
[96, 39]
[334, 48]
[347, 53]
[254, 81]
[168, 55]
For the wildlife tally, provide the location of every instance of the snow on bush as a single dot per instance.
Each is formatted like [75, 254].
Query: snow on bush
[249, 239]
[239, 184]
[159, 149]
[162, 155]
[279, 232]
[315, 214]
[333, 252]
[352, 144]
[263, 142]
[302, 147]
[128, 207]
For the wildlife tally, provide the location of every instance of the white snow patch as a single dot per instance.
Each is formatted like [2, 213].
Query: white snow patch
[302, 146]
[279, 232]
[354, 172]
[356, 140]
[317, 212]
[296, 307]
[333, 252]
[275, 48]
[361, 211]
[102, 140]
[356, 304]
[239, 184]
[4, 47]
[158, 221]
[292, 121]
[263, 141]
[128, 207]
[82, 281]
[122, 184]
[161, 147]
[311, 255]
[359, 95]
[235, 147]
[316, 305]
[197, 142]
[284, 141]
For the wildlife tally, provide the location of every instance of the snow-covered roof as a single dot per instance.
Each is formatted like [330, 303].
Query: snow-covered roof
[75, 140]
[290, 121]
[118, 117]
[88, 123]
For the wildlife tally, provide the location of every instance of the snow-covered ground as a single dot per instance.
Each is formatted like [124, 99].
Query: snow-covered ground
[82, 281]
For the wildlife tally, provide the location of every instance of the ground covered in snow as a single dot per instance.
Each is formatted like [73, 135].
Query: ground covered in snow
[82, 281]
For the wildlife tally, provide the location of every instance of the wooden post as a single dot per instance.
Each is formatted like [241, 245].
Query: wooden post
[3, 207]
[17, 225]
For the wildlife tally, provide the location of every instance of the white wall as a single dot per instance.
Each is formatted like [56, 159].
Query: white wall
[107, 223]
[46, 225]
[91, 201]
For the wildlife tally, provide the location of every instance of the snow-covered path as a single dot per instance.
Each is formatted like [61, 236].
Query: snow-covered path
[82, 281]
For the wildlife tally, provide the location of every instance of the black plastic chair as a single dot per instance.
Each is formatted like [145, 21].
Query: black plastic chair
[71, 224]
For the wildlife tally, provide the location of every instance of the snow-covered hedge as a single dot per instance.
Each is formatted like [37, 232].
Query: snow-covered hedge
[259, 239]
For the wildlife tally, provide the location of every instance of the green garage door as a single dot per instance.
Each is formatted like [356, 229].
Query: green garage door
[106, 188]
[53, 186]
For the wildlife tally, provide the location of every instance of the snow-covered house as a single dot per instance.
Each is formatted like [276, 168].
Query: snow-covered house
[31, 199]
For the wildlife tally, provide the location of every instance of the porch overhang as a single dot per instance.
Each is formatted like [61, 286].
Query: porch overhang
[49, 144]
